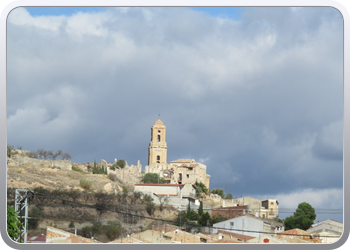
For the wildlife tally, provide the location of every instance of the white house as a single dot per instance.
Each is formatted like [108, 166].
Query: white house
[250, 225]
[179, 194]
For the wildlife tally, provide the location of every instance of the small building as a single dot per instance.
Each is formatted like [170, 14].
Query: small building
[245, 225]
[249, 225]
[179, 194]
[230, 212]
[328, 225]
[261, 208]
[329, 230]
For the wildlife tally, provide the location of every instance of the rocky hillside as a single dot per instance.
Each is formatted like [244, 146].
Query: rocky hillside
[28, 173]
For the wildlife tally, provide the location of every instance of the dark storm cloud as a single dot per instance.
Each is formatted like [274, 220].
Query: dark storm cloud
[258, 100]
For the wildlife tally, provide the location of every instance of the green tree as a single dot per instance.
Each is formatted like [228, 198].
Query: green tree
[200, 189]
[218, 218]
[219, 191]
[162, 200]
[192, 215]
[302, 218]
[204, 219]
[152, 178]
[98, 169]
[10, 148]
[94, 169]
[113, 230]
[229, 196]
[36, 214]
[200, 209]
[181, 218]
[13, 224]
[121, 163]
[41, 193]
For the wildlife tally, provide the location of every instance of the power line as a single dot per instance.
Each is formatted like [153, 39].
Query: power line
[168, 221]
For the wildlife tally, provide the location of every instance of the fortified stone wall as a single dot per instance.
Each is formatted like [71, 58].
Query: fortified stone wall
[20, 160]
[130, 174]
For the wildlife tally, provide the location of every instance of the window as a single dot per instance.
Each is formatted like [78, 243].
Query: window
[271, 203]
[188, 176]
[231, 224]
[158, 131]
[158, 158]
[158, 138]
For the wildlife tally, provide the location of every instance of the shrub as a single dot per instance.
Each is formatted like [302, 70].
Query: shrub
[86, 232]
[150, 208]
[121, 163]
[77, 170]
[13, 224]
[112, 177]
[152, 178]
[35, 213]
[86, 184]
[71, 224]
[113, 230]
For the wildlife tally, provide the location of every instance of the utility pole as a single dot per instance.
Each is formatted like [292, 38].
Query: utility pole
[127, 214]
[121, 230]
[21, 203]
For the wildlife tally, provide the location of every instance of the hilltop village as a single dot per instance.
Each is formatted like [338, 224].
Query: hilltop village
[178, 207]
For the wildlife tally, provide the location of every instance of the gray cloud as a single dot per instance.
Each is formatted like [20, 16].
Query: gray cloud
[260, 99]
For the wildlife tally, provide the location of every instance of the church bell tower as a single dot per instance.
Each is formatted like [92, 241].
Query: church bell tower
[157, 149]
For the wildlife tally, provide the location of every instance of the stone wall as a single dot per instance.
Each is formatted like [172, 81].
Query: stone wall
[63, 164]
[230, 212]
[129, 175]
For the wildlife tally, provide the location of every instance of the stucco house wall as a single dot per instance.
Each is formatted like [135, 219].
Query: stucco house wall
[242, 224]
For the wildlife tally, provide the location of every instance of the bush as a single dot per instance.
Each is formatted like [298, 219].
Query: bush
[218, 191]
[10, 149]
[121, 163]
[86, 232]
[98, 169]
[13, 223]
[150, 208]
[41, 193]
[86, 184]
[35, 213]
[113, 230]
[112, 177]
[77, 170]
[71, 224]
[152, 178]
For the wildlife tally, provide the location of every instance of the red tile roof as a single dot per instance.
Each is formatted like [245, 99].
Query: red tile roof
[36, 238]
[158, 123]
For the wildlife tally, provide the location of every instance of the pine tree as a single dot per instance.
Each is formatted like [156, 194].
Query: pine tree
[200, 209]
[94, 170]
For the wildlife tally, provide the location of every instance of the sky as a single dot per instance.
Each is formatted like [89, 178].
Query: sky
[256, 94]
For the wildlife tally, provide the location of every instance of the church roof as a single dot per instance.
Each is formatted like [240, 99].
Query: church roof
[158, 123]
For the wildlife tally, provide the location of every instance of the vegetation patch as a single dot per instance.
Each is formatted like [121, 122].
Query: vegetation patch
[78, 170]
[86, 184]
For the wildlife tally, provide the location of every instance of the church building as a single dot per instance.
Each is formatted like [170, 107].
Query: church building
[181, 171]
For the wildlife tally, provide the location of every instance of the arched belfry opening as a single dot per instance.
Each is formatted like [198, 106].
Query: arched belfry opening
[157, 150]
